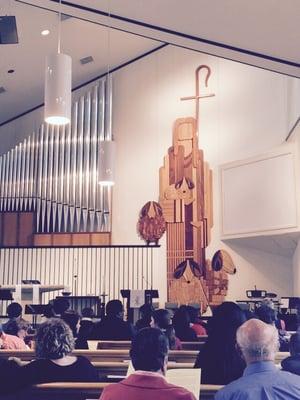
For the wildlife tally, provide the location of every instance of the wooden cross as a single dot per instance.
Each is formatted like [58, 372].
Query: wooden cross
[197, 96]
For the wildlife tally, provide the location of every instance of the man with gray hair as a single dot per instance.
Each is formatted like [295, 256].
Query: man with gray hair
[261, 380]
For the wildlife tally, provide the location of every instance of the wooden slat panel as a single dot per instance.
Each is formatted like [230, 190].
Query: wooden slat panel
[10, 229]
[26, 228]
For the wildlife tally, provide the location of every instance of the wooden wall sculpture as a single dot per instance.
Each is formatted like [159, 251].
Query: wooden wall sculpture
[186, 200]
[151, 225]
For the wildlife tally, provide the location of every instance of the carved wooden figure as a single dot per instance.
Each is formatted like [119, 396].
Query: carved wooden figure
[186, 200]
[151, 224]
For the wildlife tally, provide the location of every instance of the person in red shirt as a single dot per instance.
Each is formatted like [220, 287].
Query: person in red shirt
[11, 342]
[149, 356]
[196, 324]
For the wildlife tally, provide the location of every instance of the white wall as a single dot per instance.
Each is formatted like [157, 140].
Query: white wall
[247, 117]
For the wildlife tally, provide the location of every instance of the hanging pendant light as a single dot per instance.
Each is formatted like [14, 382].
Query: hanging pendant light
[106, 165]
[58, 85]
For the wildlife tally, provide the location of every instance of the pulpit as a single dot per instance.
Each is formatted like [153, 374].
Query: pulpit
[135, 299]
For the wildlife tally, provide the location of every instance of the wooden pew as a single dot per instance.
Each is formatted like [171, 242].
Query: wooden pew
[180, 356]
[125, 344]
[120, 368]
[81, 391]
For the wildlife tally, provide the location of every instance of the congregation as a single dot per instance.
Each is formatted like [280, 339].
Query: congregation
[239, 350]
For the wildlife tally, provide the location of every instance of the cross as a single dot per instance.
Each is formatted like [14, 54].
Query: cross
[197, 96]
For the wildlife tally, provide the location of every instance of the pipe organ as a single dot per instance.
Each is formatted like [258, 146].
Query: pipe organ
[54, 172]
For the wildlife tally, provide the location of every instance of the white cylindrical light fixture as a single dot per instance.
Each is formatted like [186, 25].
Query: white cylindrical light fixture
[58, 89]
[106, 165]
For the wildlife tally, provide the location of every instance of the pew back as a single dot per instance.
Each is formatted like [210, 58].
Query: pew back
[81, 391]
[125, 344]
[180, 356]
[104, 355]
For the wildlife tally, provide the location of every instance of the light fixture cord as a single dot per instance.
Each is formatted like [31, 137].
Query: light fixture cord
[108, 40]
[59, 27]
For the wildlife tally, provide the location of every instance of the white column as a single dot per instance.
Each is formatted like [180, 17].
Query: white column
[296, 271]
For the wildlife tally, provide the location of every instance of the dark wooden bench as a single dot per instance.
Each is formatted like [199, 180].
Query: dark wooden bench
[81, 391]
[113, 345]
[181, 356]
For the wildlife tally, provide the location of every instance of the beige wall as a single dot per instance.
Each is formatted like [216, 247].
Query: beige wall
[247, 117]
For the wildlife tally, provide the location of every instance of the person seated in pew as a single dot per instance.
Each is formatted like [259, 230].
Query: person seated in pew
[86, 328]
[196, 324]
[86, 322]
[261, 379]
[267, 314]
[54, 344]
[21, 329]
[60, 306]
[181, 323]
[162, 321]
[11, 342]
[219, 360]
[17, 328]
[292, 363]
[72, 318]
[112, 326]
[149, 356]
[9, 371]
[14, 312]
[146, 314]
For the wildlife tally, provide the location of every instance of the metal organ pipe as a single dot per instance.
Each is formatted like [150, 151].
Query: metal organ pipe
[54, 171]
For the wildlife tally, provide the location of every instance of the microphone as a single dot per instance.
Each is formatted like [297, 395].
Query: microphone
[147, 283]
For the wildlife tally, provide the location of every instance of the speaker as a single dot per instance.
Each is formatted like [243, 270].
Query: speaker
[8, 30]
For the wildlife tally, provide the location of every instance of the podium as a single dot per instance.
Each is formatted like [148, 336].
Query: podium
[133, 309]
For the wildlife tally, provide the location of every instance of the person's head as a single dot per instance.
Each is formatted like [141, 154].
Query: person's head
[295, 344]
[87, 312]
[257, 341]
[17, 328]
[149, 351]
[194, 313]
[161, 318]
[54, 340]
[60, 305]
[226, 319]
[146, 311]
[114, 308]
[181, 319]
[14, 310]
[268, 302]
[72, 318]
[250, 315]
[48, 311]
[266, 314]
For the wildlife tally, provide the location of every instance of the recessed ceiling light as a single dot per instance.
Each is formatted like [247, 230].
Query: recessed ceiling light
[45, 32]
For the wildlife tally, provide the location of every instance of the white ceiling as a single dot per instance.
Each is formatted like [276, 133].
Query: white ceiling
[283, 244]
[24, 88]
[270, 28]
[239, 30]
